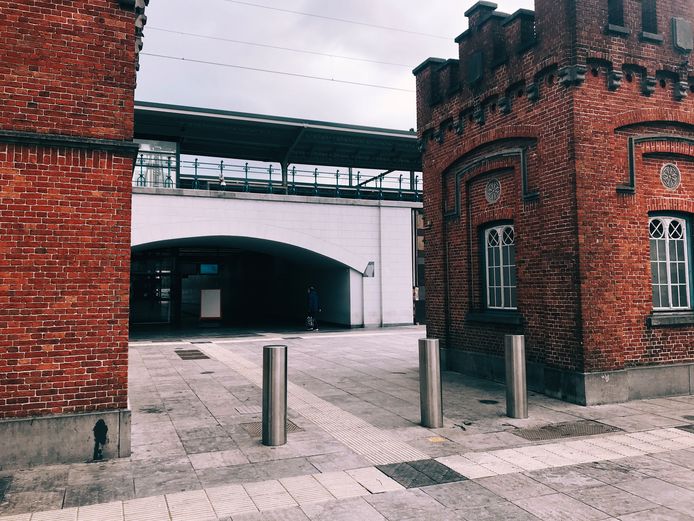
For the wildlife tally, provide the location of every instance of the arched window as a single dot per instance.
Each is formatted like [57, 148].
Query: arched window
[649, 17]
[500, 267]
[615, 12]
[670, 263]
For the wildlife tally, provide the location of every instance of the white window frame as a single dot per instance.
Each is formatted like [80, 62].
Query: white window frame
[666, 220]
[502, 284]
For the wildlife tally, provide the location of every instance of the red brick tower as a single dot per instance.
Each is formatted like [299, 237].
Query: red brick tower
[67, 78]
[558, 154]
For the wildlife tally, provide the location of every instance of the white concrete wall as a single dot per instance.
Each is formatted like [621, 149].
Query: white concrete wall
[350, 232]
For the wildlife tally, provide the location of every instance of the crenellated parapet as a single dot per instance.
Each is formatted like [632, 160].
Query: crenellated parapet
[501, 54]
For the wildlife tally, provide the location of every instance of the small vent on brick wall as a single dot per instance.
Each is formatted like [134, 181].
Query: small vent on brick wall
[565, 430]
[191, 354]
[255, 429]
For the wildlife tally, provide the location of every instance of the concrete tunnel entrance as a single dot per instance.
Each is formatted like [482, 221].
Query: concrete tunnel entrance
[233, 281]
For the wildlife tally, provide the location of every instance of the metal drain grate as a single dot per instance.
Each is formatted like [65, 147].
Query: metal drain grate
[565, 430]
[420, 473]
[686, 428]
[191, 354]
[255, 429]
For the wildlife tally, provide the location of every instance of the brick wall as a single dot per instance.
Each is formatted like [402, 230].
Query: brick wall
[584, 293]
[67, 74]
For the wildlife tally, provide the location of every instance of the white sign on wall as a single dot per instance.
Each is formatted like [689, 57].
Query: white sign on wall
[210, 303]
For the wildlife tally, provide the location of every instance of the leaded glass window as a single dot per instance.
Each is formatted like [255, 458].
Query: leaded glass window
[500, 256]
[669, 263]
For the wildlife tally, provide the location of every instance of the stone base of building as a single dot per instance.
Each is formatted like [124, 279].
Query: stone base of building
[64, 438]
[582, 388]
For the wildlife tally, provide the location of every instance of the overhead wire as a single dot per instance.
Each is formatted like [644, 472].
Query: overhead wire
[276, 47]
[257, 69]
[335, 19]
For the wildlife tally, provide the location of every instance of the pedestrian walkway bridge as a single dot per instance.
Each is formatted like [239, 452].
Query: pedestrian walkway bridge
[235, 214]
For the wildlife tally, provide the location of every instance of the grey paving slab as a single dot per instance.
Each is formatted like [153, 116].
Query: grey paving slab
[409, 504]
[609, 472]
[657, 514]
[461, 495]
[564, 479]
[406, 475]
[338, 461]
[345, 510]
[515, 486]
[224, 458]
[282, 514]
[661, 493]
[100, 492]
[560, 507]
[437, 471]
[611, 500]
[641, 422]
[497, 512]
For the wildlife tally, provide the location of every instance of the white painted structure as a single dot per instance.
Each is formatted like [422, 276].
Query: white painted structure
[348, 233]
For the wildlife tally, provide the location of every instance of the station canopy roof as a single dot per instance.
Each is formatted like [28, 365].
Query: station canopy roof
[256, 137]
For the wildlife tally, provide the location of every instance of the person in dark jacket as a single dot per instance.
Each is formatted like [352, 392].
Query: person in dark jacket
[313, 306]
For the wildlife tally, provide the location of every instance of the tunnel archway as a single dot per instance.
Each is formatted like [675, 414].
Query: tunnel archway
[233, 281]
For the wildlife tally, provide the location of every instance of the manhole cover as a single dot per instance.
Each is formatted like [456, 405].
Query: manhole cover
[686, 428]
[565, 430]
[422, 473]
[255, 429]
[191, 354]
[489, 402]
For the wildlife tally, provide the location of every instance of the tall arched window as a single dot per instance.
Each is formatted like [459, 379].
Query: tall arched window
[670, 263]
[500, 269]
[615, 12]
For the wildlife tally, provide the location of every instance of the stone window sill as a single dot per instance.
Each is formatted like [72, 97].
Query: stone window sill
[652, 38]
[495, 317]
[617, 30]
[670, 318]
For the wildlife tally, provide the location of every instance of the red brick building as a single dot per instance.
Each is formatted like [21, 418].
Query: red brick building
[67, 80]
[558, 156]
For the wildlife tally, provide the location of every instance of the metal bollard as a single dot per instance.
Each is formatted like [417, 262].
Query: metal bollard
[516, 386]
[430, 397]
[274, 395]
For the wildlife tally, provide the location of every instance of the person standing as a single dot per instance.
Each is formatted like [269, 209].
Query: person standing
[313, 307]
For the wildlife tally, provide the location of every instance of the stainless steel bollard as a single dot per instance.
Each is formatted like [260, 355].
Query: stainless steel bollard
[274, 395]
[516, 386]
[430, 397]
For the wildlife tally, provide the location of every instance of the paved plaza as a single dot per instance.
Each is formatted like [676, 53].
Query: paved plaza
[355, 450]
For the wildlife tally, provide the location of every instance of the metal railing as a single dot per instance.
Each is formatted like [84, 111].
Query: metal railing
[162, 171]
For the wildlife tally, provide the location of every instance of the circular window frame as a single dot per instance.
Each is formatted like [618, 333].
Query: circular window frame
[492, 191]
[670, 176]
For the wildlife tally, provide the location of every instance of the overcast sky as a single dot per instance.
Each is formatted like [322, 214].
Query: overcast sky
[425, 29]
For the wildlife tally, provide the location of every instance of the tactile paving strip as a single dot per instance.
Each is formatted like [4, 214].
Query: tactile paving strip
[565, 430]
[420, 473]
[375, 445]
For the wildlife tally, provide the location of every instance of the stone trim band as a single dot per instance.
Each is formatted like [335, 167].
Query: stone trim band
[127, 148]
